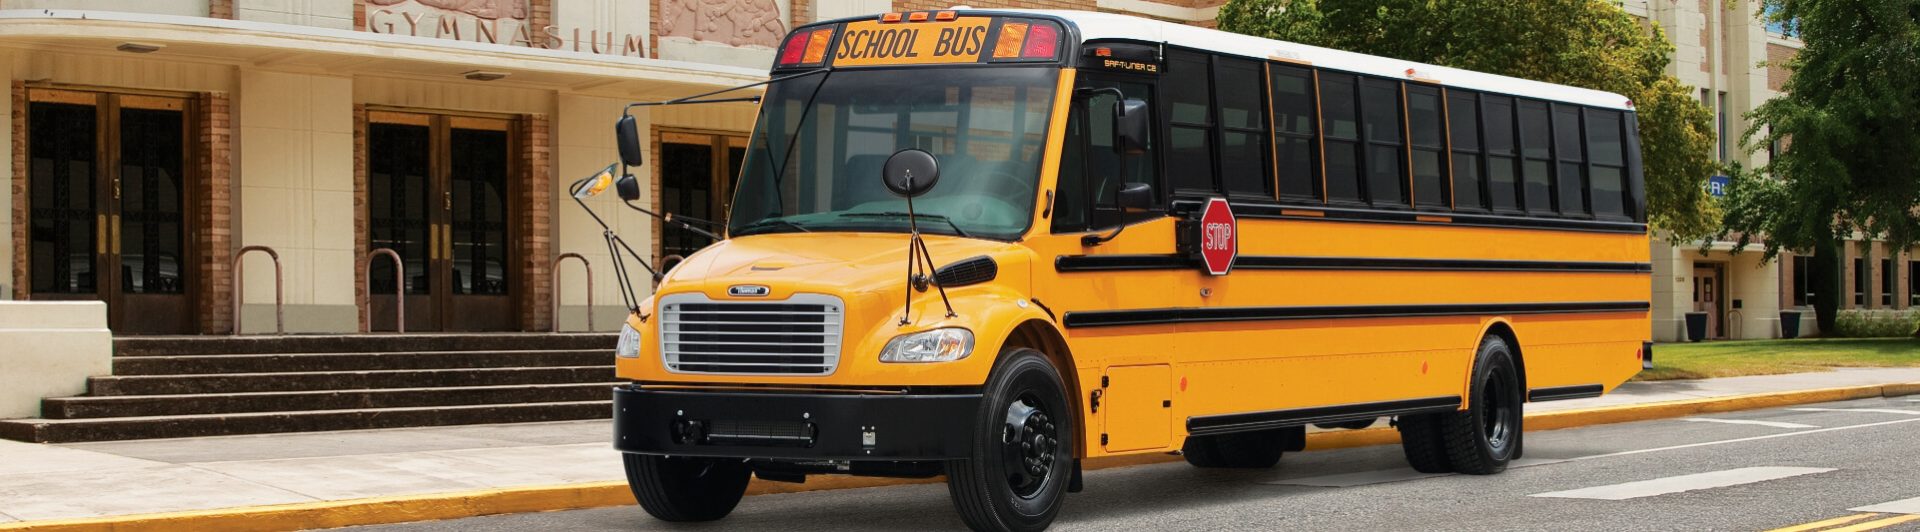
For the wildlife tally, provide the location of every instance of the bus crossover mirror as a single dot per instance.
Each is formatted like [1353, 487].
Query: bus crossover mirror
[628, 187]
[1136, 198]
[910, 172]
[627, 134]
[1130, 126]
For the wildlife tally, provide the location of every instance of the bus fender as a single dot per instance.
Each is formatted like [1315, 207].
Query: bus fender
[1497, 326]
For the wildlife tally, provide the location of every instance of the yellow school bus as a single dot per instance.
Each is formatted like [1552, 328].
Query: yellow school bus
[991, 245]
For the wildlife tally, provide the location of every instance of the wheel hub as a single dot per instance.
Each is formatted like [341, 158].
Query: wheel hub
[1030, 440]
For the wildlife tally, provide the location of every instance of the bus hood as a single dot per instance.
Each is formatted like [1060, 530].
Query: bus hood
[830, 263]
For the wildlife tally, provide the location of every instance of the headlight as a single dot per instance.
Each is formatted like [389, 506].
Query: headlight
[938, 345]
[629, 346]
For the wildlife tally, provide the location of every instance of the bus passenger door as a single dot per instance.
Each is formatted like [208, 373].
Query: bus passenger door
[1139, 407]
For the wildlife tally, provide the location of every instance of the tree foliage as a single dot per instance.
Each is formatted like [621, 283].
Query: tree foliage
[1849, 123]
[1584, 43]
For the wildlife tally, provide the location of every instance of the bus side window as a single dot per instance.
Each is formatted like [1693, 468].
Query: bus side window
[1092, 171]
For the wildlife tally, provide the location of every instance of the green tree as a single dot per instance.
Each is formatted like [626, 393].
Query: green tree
[1584, 43]
[1849, 126]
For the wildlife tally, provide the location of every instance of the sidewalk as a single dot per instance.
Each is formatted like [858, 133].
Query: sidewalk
[39, 482]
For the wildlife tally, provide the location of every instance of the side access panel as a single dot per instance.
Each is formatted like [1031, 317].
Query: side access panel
[1138, 412]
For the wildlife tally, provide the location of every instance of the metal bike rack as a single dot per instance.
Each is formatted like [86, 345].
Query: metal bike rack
[556, 288]
[399, 290]
[279, 289]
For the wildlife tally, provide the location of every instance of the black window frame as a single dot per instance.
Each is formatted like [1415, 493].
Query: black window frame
[1442, 152]
[1097, 218]
[1523, 144]
[1399, 145]
[1587, 127]
[1802, 286]
[1512, 155]
[1913, 284]
[1260, 132]
[1175, 62]
[1573, 157]
[1888, 273]
[1859, 282]
[1316, 178]
[1327, 139]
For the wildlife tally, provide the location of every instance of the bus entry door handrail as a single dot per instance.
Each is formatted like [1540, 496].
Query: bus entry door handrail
[556, 288]
[279, 289]
[399, 290]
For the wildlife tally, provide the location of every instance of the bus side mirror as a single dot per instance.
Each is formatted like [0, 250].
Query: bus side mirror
[627, 134]
[628, 187]
[1130, 126]
[1136, 198]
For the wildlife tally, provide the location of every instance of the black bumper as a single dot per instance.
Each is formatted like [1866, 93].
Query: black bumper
[793, 426]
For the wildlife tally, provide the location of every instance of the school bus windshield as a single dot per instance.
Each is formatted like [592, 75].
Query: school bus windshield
[814, 162]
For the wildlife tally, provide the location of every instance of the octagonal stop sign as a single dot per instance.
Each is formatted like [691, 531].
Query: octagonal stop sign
[1219, 237]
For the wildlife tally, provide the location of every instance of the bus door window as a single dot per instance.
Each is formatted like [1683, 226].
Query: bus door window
[1092, 171]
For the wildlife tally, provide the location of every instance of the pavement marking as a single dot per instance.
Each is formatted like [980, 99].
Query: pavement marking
[1906, 506]
[1867, 410]
[1748, 439]
[1677, 484]
[1348, 480]
[1816, 525]
[1774, 424]
[1875, 524]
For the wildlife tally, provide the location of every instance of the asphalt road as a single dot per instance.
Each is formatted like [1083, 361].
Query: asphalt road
[1773, 468]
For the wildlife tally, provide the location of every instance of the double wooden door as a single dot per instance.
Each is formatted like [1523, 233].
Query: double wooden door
[108, 190]
[439, 194]
[697, 175]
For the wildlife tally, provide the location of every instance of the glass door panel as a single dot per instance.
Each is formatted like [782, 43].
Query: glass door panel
[63, 220]
[152, 245]
[479, 218]
[401, 216]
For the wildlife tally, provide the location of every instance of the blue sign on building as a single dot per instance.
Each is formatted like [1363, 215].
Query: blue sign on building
[1717, 185]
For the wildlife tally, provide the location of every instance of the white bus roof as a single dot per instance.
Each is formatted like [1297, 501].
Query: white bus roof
[1094, 26]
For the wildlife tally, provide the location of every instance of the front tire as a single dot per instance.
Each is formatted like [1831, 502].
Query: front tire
[1482, 439]
[1021, 459]
[684, 489]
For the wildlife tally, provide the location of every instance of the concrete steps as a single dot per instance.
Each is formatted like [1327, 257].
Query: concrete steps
[171, 387]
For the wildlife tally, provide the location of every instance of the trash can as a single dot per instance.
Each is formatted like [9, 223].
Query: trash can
[1696, 326]
[1789, 324]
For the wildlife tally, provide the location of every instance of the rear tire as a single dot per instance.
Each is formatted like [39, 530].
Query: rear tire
[1021, 463]
[1420, 440]
[1249, 450]
[683, 489]
[1482, 439]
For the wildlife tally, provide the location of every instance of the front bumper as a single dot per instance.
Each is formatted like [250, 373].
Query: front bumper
[793, 425]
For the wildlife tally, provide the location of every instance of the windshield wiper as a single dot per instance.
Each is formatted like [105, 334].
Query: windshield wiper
[768, 224]
[897, 214]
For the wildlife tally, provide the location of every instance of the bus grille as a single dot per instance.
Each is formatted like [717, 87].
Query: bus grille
[796, 336]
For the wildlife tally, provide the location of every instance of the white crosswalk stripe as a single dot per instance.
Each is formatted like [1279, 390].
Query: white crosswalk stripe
[1865, 410]
[1904, 506]
[1677, 484]
[1774, 424]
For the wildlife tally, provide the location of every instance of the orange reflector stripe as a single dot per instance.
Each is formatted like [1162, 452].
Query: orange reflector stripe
[1012, 36]
[890, 17]
[817, 47]
[945, 15]
[917, 16]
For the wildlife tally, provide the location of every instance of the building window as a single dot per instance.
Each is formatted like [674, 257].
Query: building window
[1503, 160]
[1802, 280]
[1536, 164]
[1913, 284]
[1386, 151]
[1572, 156]
[1463, 123]
[1859, 283]
[1295, 125]
[1721, 112]
[1426, 138]
[1887, 275]
[1340, 115]
[1242, 128]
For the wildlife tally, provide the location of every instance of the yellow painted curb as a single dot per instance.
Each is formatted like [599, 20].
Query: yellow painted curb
[437, 506]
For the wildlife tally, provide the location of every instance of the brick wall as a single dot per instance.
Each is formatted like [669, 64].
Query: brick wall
[213, 211]
[360, 211]
[224, 9]
[535, 230]
[1777, 57]
[22, 286]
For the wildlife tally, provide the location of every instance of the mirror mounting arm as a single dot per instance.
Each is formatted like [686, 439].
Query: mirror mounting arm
[1097, 239]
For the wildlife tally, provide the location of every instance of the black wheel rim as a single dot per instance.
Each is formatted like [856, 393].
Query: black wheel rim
[1499, 421]
[1028, 441]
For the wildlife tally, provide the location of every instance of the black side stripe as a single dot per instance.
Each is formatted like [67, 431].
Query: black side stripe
[1559, 393]
[1107, 263]
[1110, 318]
[1226, 423]
[1329, 213]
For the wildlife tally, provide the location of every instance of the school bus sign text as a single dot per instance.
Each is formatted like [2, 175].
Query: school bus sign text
[874, 43]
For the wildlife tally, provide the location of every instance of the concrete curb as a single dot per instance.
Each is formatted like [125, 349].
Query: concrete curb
[437, 506]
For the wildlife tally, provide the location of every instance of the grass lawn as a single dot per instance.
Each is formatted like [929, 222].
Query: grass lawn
[1769, 357]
